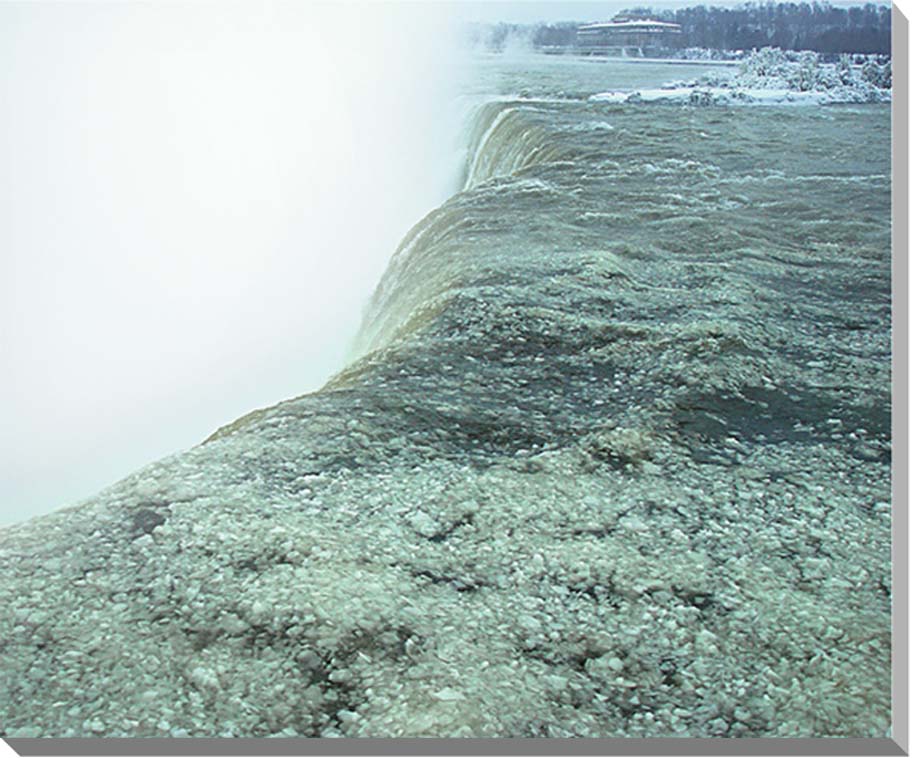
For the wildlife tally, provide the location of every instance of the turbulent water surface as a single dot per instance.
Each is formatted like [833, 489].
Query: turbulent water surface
[612, 459]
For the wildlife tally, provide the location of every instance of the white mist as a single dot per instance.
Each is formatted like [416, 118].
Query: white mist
[195, 202]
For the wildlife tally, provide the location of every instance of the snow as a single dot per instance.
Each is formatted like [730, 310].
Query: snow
[771, 77]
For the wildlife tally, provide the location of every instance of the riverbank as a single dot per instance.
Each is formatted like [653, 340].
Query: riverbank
[772, 77]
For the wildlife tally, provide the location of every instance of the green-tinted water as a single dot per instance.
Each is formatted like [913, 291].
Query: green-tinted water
[613, 461]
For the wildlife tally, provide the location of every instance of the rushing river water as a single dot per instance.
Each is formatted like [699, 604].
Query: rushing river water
[771, 221]
[612, 459]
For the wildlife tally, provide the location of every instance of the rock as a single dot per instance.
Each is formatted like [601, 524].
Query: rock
[205, 678]
[447, 694]
[347, 717]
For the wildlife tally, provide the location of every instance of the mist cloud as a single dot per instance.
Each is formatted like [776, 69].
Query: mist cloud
[195, 202]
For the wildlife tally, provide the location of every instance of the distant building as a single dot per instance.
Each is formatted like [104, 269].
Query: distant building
[625, 33]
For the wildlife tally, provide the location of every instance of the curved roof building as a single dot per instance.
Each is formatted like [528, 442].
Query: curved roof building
[624, 33]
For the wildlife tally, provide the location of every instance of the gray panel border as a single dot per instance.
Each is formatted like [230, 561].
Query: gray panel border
[900, 378]
[532, 746]
[896, 745]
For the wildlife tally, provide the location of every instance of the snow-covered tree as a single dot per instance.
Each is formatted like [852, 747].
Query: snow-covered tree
[804, 76]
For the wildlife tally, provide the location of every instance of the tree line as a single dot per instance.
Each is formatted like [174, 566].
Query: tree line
[815, 26]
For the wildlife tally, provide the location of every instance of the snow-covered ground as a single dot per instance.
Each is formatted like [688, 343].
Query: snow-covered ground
[773, 76]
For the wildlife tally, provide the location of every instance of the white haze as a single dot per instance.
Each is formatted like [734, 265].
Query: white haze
[196, 200]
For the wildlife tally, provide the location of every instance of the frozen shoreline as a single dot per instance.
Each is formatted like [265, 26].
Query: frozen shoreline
[729, 96]
[771, 77]
[666, 61]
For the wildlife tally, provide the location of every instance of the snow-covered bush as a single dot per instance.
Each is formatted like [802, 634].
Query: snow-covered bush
[804, 75]
[774, 75]
[803, 71]
[876, 74]
[844, 69]
[768, 62]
